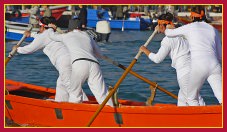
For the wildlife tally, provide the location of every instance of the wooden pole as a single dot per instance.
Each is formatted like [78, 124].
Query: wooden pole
[140, 77]
[120, 80]
[13, 52]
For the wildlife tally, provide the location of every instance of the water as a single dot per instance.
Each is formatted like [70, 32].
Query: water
[123, 46]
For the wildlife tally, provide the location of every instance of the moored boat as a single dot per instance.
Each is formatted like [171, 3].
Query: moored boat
[14, 31]
[129, 24]
[185, 20]
[24, 18]
[30, 105]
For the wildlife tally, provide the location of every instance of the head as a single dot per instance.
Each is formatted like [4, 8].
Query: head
[81, 6]
[45, 6]
[44, 21]
[164, 20]
[198, 14]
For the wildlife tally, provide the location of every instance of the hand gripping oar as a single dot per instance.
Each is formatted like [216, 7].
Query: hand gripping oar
[139, 76]
[13, 52]
[120, 80]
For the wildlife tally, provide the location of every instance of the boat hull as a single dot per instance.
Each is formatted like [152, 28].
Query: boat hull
[216, 25]
[37, 111]
[55, 10]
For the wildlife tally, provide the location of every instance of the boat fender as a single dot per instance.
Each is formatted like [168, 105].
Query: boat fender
[103, 27]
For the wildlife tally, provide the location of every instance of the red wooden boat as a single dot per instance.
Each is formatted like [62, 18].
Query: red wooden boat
[27, 104]
[55, 10]
[216, 25]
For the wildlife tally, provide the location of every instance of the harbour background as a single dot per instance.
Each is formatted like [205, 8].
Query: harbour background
[122, 47]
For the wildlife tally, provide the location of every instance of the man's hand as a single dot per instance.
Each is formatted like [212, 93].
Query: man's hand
[145, 50]
[27, 33]
[15, 47]
[170, 26]
[157, 28]
[52, 26]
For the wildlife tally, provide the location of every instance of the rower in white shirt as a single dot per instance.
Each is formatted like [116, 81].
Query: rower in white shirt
[206, 55]
[83, 51]
[178, 50]
[58, 55]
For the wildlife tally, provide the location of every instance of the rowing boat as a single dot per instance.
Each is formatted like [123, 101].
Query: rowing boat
[32, 105]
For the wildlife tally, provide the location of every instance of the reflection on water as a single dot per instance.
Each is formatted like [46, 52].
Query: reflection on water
[123, 46]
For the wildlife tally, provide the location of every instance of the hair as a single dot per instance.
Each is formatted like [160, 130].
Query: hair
[168, 17]
[199, 9]
[48, 20]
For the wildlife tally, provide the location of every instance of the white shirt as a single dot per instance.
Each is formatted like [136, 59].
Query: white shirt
[174, 47]
[203, 39]
[51, 48]
[79, 44]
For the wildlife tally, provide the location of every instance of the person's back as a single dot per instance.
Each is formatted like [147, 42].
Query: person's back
[206, 52]
[201, 37]
[85, 66]
[79, 45]
[178, 48]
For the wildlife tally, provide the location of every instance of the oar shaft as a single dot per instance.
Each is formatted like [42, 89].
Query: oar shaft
[140, 77]
[118, 82]
[146, 44]
[148, 81]
[112, 92]
[14, 51]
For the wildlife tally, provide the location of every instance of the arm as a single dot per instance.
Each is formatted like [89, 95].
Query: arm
[218, 47]
[159, 56]
[97, 50]
[181, 31]
[55, 36]
[32, 47]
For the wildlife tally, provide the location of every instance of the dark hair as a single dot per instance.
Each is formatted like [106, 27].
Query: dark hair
[198, 10]
[168, 17]
[48, 20]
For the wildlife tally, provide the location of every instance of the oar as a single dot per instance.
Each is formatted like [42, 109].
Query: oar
[120, 80]
[123, 22]
[140, 77]
[13, 52]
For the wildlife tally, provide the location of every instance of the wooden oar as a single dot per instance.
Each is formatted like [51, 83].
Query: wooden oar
[120, 80]
[140, 77]
[13, 52]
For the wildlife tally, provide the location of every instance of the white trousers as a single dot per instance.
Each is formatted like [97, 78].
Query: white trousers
[83, 70]
[64, 67]
[183, 74]
[202, 68]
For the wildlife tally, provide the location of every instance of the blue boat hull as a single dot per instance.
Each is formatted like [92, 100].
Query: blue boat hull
[16, 37]
[93, 17]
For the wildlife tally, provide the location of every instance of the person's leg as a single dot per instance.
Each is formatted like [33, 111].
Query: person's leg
[215, 81]
[198, 75]
[183, 82]
[97, 84]
[80, 72]
[61, 93]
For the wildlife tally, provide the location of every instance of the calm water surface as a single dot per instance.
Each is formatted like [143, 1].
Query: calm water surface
[123, 46]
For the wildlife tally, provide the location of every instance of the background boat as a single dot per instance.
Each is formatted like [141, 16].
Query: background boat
[24, 18]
